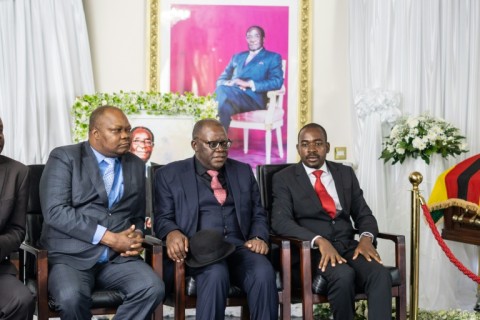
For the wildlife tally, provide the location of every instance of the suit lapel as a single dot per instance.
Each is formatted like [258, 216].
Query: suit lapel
[90, 165]
[127, 175]
[259, 57]
[306, 185]
[3, 178]
[232, 182]
[337, 179]
[188, 183]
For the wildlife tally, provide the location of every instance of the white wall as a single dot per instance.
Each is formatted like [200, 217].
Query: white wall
[117, 32]
[118, 41]
[331, 86]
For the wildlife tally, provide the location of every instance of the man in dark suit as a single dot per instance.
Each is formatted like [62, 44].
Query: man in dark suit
[326, 220]
[249, 75]
[93, 202]
[186, 202]
[16, 301]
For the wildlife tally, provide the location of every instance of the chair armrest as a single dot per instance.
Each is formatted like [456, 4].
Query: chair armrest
[40, 271]
[285, 262]
[179, 295]
[35, 251]
[273, 93]
[400, 254]
[154, 254]
[398, 239]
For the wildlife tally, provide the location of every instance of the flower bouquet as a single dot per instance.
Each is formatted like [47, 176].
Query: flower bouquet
[152, 103]
[422, 136]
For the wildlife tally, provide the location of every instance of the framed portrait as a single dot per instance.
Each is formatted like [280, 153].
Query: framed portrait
[192, 42]
[169, 137]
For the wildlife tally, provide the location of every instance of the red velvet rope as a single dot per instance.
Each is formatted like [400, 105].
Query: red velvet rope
[445, 248]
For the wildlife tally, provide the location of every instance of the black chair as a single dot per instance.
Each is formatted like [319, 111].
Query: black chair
[184, 295]
[313, 291]
[33, 262]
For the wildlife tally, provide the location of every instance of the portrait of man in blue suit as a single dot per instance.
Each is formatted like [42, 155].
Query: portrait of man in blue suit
[247, 78]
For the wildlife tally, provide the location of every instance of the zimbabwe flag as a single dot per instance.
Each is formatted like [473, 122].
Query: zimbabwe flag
[460, 182]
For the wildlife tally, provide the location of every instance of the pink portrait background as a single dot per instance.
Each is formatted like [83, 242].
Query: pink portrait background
[202, 44]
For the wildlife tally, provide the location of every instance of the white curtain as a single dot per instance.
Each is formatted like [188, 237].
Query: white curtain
[44, 64]
[429, 53]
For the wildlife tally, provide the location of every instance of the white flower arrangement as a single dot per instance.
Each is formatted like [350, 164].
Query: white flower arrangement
[422, 136]
[153, 103]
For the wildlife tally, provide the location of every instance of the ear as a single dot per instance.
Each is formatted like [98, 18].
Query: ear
[328, 147]
[194, 145]
[95, 133]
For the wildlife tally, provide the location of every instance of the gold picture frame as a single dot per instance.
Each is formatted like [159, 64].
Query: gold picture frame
[304, 63]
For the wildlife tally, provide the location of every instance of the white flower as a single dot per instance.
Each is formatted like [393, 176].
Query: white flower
[419, 143]
[412, 122]
[422, 136]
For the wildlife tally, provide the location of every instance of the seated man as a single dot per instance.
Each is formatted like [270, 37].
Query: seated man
[93, 204]
[317, 200]
[16, 301]
[212, 192]
[247, 78]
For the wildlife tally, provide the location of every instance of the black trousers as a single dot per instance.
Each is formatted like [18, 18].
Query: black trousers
[16, 301]
[344, 280]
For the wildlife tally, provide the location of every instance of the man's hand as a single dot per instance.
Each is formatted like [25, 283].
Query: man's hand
[127, 242]
[177, 245]
[366, 249]
[244, 85]
[257, 246]
[328, 254]
[135, 249]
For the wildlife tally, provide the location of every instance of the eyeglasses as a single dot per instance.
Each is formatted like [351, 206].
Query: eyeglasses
[315, 144]
[146, 142]
[225, 144]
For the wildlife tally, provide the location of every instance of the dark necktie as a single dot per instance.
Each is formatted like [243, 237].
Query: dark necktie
[218, 191]
[327, 201]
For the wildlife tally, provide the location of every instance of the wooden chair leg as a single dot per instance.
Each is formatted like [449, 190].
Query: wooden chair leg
[244, 313]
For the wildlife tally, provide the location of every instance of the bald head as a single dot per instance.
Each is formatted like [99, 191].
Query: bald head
[109, 131]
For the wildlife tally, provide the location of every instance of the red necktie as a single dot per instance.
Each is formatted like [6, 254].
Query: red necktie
[218, 191]
[327, 201]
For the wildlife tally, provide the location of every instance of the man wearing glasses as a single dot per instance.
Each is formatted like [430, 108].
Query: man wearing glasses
[143, 141]
[211, 191]
[247, 78]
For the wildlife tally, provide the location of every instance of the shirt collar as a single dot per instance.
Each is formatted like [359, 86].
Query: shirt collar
[100, 157]
[256, 51]
[201, 170]
[309, 170]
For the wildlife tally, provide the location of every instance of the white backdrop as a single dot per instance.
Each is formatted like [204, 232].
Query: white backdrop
[44, 64]
[427, 52]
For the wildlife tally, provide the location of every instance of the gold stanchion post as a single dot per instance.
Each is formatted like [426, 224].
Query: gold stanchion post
[415, 179]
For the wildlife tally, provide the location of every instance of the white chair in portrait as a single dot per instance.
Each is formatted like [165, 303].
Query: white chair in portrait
[267, 120]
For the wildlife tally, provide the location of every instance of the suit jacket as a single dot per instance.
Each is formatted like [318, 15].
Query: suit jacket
[265, 69]
[297, 211]
[176, 199]
[14, 187]
[74, 202]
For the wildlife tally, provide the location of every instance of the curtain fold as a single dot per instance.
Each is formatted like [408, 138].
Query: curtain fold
[429, 52]
[46, 63]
